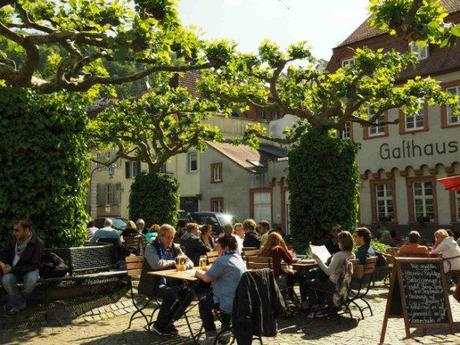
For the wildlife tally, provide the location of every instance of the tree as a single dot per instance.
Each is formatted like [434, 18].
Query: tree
[293, 82]
[44, 159]
[156, 126]
[86, 35]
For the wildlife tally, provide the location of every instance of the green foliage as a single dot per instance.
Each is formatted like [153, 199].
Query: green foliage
[422, 21]
[323, 185]
[381, 247]
[155, 198]
[44, 159]
[162, 123]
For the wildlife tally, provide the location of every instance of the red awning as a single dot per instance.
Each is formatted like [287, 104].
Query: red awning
[451, 183]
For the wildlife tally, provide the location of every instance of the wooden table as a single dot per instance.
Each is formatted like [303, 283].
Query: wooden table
[298, 265]
[188, 275]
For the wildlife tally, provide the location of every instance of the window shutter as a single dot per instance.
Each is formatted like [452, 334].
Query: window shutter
[127, 169]
[100, 194]
[117, 194]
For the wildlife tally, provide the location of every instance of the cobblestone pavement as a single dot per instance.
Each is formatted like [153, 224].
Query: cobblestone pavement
[109, 327]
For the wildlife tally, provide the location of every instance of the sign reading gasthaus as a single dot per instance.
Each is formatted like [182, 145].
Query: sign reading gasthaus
[410, 149]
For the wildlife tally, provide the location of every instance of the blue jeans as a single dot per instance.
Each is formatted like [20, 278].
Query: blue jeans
[18, 299]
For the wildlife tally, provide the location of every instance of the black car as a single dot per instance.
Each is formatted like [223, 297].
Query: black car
[118, 223]
[216, 219]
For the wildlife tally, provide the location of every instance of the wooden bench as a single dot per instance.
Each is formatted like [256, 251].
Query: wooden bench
[258, 262]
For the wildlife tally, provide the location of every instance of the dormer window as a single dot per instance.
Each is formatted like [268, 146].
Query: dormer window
[422, 52]
[348, 62]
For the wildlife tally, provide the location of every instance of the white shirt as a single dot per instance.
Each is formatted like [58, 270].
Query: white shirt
[449, 249]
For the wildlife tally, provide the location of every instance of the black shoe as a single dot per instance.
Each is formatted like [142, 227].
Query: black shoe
[171, 329]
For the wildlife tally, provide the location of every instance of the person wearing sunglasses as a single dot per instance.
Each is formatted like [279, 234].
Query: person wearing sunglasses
[20, 262]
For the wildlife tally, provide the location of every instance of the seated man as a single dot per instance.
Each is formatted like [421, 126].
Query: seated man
[192, 243]
[20, 261]
[412, 248]
[251, 238]
[107, 232]
[159, 255]
[224, 276]
[363, 239]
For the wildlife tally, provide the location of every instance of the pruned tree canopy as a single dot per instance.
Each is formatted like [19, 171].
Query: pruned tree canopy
[75, 39]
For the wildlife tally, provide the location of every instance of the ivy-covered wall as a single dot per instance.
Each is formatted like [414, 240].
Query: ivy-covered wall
[154, 197]
[323, 185]
[44, 165]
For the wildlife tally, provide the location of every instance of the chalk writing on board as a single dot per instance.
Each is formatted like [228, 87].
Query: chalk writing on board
[424, 293]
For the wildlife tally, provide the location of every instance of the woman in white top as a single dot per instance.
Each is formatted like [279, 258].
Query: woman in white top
[448, 248]
[328, 281]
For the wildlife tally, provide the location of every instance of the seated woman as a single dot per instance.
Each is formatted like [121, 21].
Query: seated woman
[206, 236]
[385, 238]
[276, 248]
[448, 248]
[192, 243]
[224, 276]
[160, 255]
[413, 248]
[130, 230]
[328, 282]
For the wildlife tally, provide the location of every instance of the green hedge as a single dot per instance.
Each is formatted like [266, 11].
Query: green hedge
[323, 185]
[154, 197]
[44, 165]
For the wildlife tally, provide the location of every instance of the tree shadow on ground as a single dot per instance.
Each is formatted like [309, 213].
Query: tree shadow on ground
[317, 328]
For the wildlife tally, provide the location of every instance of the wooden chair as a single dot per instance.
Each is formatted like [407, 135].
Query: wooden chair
[134, 244]
[258, 262]
[212, 256]
[250, 251]
[134, 268]
[361, 282]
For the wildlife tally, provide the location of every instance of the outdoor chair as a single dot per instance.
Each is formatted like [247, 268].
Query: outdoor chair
[258, 262]
[360, 284]
[134, 244]
[249, 252]
[134, 267]
[212, 256]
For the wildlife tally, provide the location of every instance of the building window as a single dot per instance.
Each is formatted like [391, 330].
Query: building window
[216, 172]
[108, 194]
[262, 205]
[217, 204]
[261, 113]
[416, 121]
[348, 62]
[192, 162]
[346, 133]
[384, 202]
[451, 118]
[423, 202]
[132, 169]
[422, 52]
[379, 128]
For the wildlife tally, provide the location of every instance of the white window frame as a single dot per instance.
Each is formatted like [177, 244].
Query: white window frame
[348, 62]
[387, 198]
[416, 121]
[216, 172]
[379, 128]
[192, 156]
[346, 132]
[422, 52]
[219, 202]
[450, 116]
[423, 197]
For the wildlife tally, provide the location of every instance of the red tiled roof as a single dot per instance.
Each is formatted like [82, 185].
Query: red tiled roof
[365, 31]
[240, 154]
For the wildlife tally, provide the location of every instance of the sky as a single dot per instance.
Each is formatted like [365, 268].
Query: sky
[322, 23]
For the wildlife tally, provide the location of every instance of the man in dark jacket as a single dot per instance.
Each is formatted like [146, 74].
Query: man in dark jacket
[251, 238]
[20, 261]
[363, 238]
[192, 243]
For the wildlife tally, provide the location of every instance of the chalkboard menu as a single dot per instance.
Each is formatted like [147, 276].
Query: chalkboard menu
[424, 293]
[418, 293]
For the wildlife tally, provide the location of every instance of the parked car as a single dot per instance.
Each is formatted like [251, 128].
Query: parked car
[118, 223]
[216, 219]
